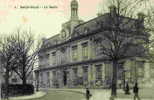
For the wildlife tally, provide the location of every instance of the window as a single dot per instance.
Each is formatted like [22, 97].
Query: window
[41, 78]
[75, 70]
[48, 75]
[98, 47]
[47, 58]
[63, 34]
[86, 30]
[98, 72]
[54, 75]
[85, 73]
[85, 50]
[74, 53]
[54, 58]
[63, 56]
[140, 69]
[48, 79]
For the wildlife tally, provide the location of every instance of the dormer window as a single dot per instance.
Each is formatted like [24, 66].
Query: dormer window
[63, 34]
[53, 58]
[86, 30]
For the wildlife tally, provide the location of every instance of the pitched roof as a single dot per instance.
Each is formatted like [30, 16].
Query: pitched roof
[102, 21]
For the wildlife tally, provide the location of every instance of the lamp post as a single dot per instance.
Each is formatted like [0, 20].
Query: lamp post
[124, 81]
[37, 81]
[2, 81]
[1, 78]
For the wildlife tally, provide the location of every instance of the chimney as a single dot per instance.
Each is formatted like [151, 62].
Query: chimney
[43, 40]
[112, 10]
[141, 16]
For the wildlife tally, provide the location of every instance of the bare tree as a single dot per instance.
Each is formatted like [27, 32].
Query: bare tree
[19, 51]
[123, 35]
[25, 54]
[7, 56]
[150, 28]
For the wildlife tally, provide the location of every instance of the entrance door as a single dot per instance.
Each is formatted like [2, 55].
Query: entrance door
[85, 75]
[65, 78]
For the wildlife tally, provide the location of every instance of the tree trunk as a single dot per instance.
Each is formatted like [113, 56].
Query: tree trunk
[7, 84]
[24, 79]
[114, 78]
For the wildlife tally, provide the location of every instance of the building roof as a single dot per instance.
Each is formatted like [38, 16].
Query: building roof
[51, 41]
[103, 21]
[95, 25]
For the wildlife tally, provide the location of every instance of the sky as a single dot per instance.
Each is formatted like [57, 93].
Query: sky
[44, 22]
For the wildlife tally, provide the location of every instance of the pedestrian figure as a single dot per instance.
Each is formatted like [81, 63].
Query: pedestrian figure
[136, 90]
[127, 89]
[88, 95]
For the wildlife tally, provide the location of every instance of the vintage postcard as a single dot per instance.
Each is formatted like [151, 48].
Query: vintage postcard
[76, 49]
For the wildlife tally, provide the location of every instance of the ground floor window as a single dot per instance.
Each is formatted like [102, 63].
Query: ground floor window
[85, 75]
[65, 78]
[48, 79]
[75, 71]
[54, 80]
[98, 72]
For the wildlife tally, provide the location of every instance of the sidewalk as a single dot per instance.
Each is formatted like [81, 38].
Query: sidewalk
[99, 94]
[132, 99]
[36, 95]
[81, 91]
[144, 94]
[105, 95]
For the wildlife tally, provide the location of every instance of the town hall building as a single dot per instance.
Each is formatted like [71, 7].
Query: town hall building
[72, 58]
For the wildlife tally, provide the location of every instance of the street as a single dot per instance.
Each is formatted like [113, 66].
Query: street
[61, 95]
[97, 94]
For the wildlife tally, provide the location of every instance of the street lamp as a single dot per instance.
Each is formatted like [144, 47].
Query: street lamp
[124, 81]
[1, 78]
[2, 81]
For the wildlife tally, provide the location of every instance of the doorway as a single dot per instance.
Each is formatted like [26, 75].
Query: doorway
[65, 78]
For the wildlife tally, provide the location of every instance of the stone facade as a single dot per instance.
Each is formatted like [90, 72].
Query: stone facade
[72, 58]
